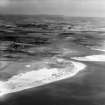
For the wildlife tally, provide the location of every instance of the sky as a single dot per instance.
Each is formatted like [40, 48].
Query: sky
[94, 8]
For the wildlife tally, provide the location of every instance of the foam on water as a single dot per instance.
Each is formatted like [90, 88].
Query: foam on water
[37, 78]
[98, 58]
[98, 49]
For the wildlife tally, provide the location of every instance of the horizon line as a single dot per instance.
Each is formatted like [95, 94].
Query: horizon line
[59, 15]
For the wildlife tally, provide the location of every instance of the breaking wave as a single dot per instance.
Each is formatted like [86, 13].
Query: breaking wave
[40, 77]
[98, 58]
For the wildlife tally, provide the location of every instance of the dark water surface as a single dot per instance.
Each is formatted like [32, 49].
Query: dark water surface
[24, 39]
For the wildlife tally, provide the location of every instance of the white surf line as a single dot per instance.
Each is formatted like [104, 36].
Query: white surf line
[98, 49]
[41, 77]
[97, 58]
[101, 48]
